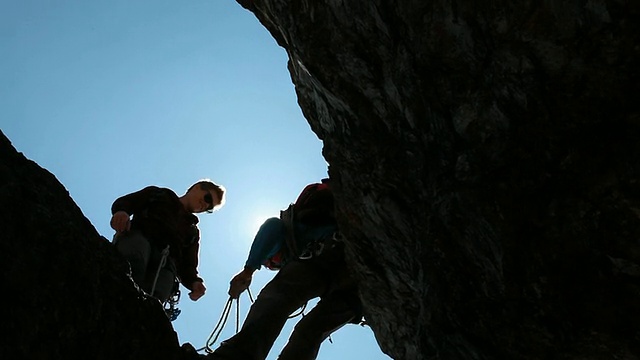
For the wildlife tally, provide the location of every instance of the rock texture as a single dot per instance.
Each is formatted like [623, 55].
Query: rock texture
[487, 170]
[69, 293]
[487, 160]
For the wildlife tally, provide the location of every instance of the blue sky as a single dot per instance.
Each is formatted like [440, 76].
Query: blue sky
[112, 96]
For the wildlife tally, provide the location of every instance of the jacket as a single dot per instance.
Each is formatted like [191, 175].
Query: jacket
[160, 216]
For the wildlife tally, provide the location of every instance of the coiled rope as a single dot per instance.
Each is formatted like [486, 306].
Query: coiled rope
[217, 330]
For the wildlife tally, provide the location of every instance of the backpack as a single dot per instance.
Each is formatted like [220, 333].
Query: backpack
[313, 207]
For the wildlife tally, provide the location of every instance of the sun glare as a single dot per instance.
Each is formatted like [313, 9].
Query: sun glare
[257, 222]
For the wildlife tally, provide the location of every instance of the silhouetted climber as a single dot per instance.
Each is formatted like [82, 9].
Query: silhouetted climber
[304, 246]
[161, 240]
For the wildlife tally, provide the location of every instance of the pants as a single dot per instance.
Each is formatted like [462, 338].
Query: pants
[144, 259]
[324, 276]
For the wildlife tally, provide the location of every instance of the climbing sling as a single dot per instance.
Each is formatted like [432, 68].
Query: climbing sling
[287, 216]
[163, 262]
[170, 304]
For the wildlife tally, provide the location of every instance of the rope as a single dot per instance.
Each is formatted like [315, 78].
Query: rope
[163, 262]
[237, 314]
[217, 330]
[301, 312]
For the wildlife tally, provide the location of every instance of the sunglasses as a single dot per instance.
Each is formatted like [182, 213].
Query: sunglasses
[208, 199]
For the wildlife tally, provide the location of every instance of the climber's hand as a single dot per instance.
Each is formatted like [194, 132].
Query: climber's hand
[197, 290]
[240, 282]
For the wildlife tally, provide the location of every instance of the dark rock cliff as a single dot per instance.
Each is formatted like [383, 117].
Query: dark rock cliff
[70, 294]
[486, 162]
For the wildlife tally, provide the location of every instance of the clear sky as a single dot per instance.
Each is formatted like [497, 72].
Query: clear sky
[112, 96]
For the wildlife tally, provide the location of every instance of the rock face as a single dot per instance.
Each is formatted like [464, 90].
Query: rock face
[70, 294]
[486, 159]
[486, 156]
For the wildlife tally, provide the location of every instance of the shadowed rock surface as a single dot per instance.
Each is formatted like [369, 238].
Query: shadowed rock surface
[70, 295]
[486, 159]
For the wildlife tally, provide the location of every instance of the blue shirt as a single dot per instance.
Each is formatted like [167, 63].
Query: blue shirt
[271, 238]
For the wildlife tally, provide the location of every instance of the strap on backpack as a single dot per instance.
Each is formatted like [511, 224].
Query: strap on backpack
[287, 217]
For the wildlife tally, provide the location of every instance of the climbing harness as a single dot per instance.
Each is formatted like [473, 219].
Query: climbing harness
[314, 249]
[317, 247]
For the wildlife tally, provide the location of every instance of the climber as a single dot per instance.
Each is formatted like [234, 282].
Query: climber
[157, 233]
[304, 246]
